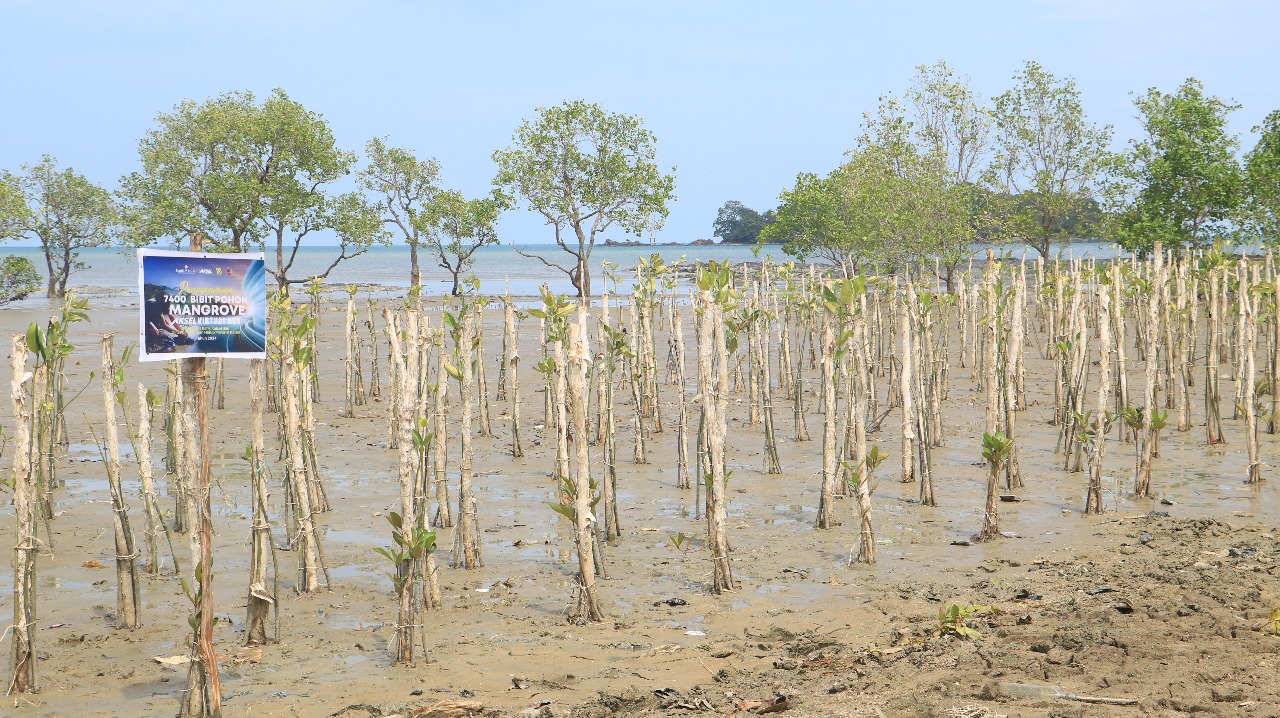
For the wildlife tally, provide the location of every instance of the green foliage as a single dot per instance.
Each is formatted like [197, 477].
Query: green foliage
[952, 620]
[737, 223]
[1135, 418]
[248, 174]
[18, 278]
[1182, 183]
[1272, 627]
[1091, 428]
[63, 210]
[410, 545]
[421, 437]
[717, 278]
[708, 478]
[996, 448]
[875, 457]
[569, 492]
[654, 274]
[1049, 156]
[50, 344]
[556, 310]
[294, 330]
[456, 227]
[1262, 177]
[951, 123]
[403, 189]
[890, 203]
[14, 212]
[585, 171]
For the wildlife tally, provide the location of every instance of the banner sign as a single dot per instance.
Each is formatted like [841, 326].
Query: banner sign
[197, 304]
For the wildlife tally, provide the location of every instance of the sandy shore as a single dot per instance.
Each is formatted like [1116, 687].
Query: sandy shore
[1177, 631]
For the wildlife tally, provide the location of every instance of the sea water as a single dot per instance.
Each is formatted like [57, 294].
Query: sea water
[499, 268]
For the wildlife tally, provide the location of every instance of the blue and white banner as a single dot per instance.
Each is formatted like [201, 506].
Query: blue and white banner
[197, 304]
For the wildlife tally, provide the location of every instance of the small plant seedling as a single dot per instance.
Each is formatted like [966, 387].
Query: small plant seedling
[418, 543]
[951, 620]
[1273, 623]
[679, 540]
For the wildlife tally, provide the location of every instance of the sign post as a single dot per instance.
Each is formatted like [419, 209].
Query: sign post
[196, 305]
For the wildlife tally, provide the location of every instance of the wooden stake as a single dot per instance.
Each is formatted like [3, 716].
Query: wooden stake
[23, 663]
[260, 600]
[128, 615]
[588, 608]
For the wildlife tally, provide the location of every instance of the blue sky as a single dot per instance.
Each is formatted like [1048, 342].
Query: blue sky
[741, 95]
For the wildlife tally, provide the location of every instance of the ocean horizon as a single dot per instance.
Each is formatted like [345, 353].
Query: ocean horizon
[499, 268]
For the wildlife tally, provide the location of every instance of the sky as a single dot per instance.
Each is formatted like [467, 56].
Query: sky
[741, 95]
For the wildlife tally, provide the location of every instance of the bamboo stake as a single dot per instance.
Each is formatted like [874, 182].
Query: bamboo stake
[482, 383]
[128, 613]
[444, 517]
[907, 389]
[826, 501]
[406, 369]
[467, 549]
[1250, 390]
[858, 396]
[682, 425]
[588, 608]
[150, 502]
[349, 377]
[713, 384]
[1093, 502]
[22, 663]
[513, 364]
[260, 601]
[308, 555]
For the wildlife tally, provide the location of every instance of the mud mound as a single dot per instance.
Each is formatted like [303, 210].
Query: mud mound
[1173, 619]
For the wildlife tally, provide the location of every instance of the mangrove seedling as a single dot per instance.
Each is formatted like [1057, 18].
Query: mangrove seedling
[995, 449]
[952, 620]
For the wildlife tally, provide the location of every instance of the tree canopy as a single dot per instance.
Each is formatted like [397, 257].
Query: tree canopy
[18, 278]
[896, 199]
[737, 223]
[1048, 155]
[60, 208]
[459, 227]
[1185, 183]
[585, 171]
[1262, 176]
[243, 174]
[404, 188]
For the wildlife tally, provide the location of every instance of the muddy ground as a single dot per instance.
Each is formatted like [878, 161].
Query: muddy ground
[1168, 609]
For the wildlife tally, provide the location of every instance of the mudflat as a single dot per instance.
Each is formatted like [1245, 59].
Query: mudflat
[1162, 602]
